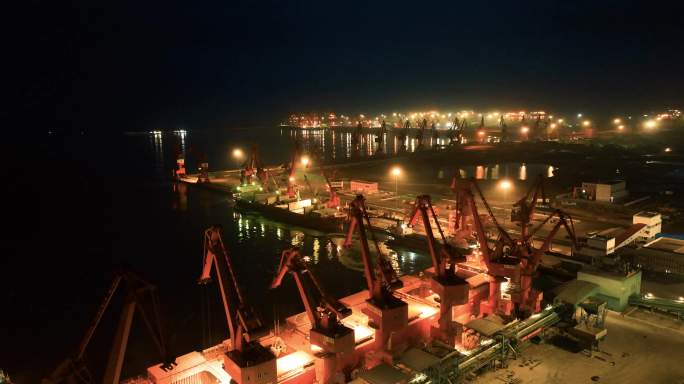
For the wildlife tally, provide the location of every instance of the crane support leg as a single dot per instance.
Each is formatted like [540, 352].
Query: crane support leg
[116, 356]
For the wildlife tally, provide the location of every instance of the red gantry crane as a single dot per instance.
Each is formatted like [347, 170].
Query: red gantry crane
[334, 201]
[516, 259]
[328, 337]
[451, 289]
[248, 361]
[74, 369]
[386, 313]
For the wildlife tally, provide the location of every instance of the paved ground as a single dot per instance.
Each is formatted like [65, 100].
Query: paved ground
[633, 352]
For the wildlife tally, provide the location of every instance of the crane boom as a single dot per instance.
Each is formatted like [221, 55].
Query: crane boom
[244, 325]
[323, 310]
[443, 253]
[74, 368]
[381, 278]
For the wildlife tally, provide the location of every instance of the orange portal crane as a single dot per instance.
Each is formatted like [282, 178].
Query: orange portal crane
[248, 361]
[253, 167]
[516, 259]
[386, 313]
[74, 369]
[524, 209]
[327, 334]
[528, 301]
[334, 201]
[296, 158]
[451, 289]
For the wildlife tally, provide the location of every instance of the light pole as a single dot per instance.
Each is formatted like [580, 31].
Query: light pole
[237, 155]
[396, 171]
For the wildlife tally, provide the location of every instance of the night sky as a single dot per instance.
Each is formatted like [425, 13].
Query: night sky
[144, 65]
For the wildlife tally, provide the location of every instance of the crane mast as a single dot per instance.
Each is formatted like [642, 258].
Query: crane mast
[247, 358]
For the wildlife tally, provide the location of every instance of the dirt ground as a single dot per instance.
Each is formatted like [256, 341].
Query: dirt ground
[633, 352]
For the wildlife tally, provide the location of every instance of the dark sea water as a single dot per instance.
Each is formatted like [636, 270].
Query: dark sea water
[83, 206]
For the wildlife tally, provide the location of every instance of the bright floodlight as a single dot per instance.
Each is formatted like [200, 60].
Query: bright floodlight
[586, 123]
[305, 161]
[505, 184]
[237, 153]
[396, 171]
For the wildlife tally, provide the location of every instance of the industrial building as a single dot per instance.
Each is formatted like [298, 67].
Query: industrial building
[614, 289]
[653, 222]
[603, 191]
[664, 254]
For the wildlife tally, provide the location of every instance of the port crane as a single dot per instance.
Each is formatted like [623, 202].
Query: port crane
[504, 129]
[380, 139]
[481, 133]
[297, 157]
[404, 134]
[334, 201]
[451, 289]
[248, 358]
[421, 134]
[254, 167]
[455, 133]
[515, 260]
[358, 133]
[327, 334]
[74, 369]
[524, 209]
[386, 313]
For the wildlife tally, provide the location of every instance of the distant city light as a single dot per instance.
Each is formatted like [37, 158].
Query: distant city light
[586, 123]
[617, 121]
[579, 115]
[560, 121]
[553, 125]
[305, 161]
[668, 149]
[237, 153]
[505, 184]
[650, 124]
[621, 127]
[524, 129]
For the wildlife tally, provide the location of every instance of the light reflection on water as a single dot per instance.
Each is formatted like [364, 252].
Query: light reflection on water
[520, 171]
[320, 246]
